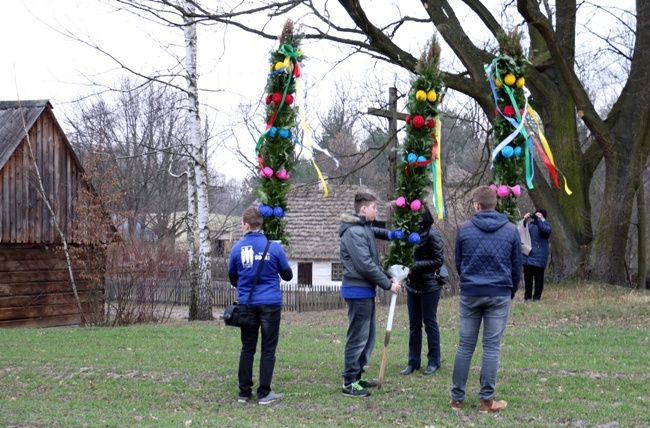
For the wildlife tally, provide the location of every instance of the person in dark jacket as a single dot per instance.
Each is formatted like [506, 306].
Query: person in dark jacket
[361, 275]
[423, 293]
[535, 262]
[488, 261]
[265, 306]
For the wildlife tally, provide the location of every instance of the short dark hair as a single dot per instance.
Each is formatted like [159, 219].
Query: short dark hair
[363, 200]
[427, 218]
[253, 217]
[486, 197]
[542, 211]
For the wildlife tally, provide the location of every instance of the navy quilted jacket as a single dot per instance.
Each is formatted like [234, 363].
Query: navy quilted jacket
[488, 255]
[540, 231]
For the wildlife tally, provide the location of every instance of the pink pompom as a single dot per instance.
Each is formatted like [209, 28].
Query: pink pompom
[503, 191]
[516, 190]
[282, 174]
[416, 205]
[493, 186]
[400, 202]
[266, 172]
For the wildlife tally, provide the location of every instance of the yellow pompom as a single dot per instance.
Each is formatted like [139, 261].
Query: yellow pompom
[421, 95]
[432, 96]
[521, 82]
[509, 79]
[498, 83]
[279, 65]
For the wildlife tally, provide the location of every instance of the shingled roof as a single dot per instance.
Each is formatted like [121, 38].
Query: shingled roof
[313, 221]
[15, 117]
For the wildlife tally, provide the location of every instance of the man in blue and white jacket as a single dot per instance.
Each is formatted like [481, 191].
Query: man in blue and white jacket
[265, 305]
[488, 261]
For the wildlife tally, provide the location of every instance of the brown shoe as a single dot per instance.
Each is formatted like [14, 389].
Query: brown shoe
[492, 406]
[456, 405]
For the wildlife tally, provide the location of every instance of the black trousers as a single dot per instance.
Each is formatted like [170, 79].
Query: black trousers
[536, 274]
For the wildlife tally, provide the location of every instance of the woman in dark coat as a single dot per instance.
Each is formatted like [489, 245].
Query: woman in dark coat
[423, 293]
[535, 262]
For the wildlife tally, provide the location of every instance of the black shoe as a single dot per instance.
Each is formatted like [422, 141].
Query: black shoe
[430, 370]
[365, 383]
[408, 370]
[355, 390]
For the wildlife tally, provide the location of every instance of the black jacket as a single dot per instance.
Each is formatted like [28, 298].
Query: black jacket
[429, 256]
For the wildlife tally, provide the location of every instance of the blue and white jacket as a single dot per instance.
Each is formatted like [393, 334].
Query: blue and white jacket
[245, 257]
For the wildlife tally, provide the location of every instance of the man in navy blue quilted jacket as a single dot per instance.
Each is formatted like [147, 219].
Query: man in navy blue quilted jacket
[488, 261]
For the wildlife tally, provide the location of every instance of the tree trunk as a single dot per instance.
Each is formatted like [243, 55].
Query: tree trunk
[191, 248]
[642, 258]
[204, 286]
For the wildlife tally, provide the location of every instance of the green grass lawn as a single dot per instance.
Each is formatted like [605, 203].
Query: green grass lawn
[580, 358]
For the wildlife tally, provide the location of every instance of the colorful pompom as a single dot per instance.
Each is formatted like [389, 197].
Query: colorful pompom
[407, 119]
[412, 157]
[416, 205]
[278, 212]
[276, 98]
[421, 95]
[516, 190]
[507, 152]
[284, 133]
[398, 234]
[509, 111]
[400, 202]
[418, 121]
[503, 191]
[517, 151]
[520, 82]
[272, 132]
[288, 100]
[432, 96]
[510, 79]
[268, 99]
[431, 123]
[282, 174]
[266, 172]
[414, 238]
[421, 159]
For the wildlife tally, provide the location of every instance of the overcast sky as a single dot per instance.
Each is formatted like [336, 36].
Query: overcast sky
[38, 62]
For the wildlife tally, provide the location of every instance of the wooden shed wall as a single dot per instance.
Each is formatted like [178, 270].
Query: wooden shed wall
[35, 288]
[24, 217]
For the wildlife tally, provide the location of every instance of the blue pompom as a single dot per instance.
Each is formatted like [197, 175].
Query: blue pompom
[390, 235]
[414, 238]
[517, 151]
[507, 151]
[272, 132]
[412, 157]
[278, 212]
[398, 234]
[284, 133]
[422, 159]
[266, 211]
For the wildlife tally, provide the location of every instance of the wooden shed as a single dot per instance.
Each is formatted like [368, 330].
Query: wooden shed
[37, 164]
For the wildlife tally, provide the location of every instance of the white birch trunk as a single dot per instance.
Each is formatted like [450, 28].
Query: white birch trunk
[191, 247]
[204, 286]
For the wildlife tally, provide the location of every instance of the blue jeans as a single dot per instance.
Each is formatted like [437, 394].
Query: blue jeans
[493, 311]
[423, 307]
[362, 329]
[267, 319]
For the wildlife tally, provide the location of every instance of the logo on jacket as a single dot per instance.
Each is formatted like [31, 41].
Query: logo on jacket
[247, 256]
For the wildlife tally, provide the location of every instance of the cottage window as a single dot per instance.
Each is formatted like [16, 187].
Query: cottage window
[337, 271]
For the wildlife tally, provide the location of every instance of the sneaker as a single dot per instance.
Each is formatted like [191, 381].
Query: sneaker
[355, 390]
[365, 383]
[456, 405]
[492, 406]
[271, 397]
[243, 399]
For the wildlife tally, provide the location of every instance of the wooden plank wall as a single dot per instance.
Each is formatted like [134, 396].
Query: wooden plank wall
[24, 217]
[35, 289]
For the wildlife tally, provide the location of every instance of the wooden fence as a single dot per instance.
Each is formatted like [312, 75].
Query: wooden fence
[295, 298]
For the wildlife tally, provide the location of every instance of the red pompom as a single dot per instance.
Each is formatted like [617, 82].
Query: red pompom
[509, 111]
[408, 119]
[288, 100]
[521, 112]
[431, 123]
[418, 121]
[496, 111]
[276, 98]
[268, 99]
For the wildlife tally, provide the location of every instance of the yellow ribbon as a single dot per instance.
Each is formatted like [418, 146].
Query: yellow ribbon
[308, 139]
[547, 148]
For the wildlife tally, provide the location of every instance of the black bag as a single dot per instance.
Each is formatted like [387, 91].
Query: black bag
[237, 314]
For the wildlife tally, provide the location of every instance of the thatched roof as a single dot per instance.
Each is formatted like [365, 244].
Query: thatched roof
[313, 221]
